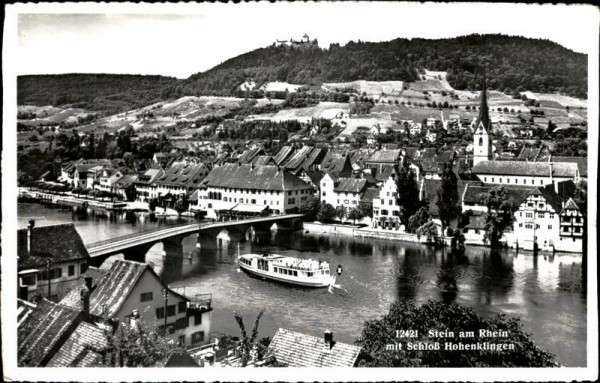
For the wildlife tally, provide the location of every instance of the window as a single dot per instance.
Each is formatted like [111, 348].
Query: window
[492, 179]
[529, 215]
[56, 273]
[181, 323]
[537, 226]
[28, 280]
[83, 268]
[170, 310]
[577, 230]
[549, 227]
[181, 340]
[198, 337]
[197, 319]
[520, 225]
[71, 270]
[384, 212]
[485, 179]
[145, 297]
[541, 215]
[182, 307]
[551, 216]
[160, 312]
[480, 141]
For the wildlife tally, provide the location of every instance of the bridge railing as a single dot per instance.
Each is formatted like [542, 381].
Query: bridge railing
[138, 233]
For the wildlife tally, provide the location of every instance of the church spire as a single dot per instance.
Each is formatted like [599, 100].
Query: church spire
[484, 117]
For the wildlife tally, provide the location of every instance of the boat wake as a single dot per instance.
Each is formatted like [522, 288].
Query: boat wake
[336, 286]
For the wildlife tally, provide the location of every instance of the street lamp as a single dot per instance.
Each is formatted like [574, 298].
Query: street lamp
[165, 292]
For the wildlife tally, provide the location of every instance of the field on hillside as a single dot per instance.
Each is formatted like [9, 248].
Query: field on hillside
[280, 87]
[51, 115]
[371, 88]
[322, 110]
[557, 98]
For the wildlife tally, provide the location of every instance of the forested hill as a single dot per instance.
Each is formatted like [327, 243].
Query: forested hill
[511, 63]
[103, 92]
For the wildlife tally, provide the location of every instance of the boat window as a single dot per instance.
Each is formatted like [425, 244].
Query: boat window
[326, 271]
[295, 273]
[309, 274]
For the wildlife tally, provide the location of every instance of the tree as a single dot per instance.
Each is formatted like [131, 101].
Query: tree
[341, 212]
[418, 219]
[500, 213]
[447, 199]
[408, 192]
[153, 204]
[181, 204]
[326, 212]
[136, 346]
[445, 318]
[355, 213]
[310, 209]
[247, 343]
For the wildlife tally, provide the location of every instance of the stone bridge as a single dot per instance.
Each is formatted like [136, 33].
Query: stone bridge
[135, 246]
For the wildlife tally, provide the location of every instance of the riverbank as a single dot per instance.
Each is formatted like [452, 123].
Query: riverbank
[367, 232]
[66, 199]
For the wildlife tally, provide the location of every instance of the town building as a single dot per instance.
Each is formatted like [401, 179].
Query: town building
[342, 191]
[386, 210]
[53, 256]
[178, 181]
[572, 227]
[295, 349]
[131, 291]
[525, 173]
[246, 188]
[482, 140]
[144, 191]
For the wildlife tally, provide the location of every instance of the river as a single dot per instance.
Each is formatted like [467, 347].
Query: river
[545, 292]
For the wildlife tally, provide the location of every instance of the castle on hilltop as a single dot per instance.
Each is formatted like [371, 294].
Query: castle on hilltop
[303, 43]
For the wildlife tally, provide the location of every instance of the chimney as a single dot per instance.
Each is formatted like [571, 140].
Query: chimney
[85, 302]
[30, 227]
[88, 283]
[328, 337]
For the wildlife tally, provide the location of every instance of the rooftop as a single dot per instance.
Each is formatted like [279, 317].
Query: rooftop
[266, 177]
[294, 349]
[82, 349]
[61, 242]
[523, 168]
[39, 337]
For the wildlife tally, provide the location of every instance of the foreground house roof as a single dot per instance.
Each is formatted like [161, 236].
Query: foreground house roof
[61, 242]
[44, 331]
[266, 177]
[82, 349]
[294, 349]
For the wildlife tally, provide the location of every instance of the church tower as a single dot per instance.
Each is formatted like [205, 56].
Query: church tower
[482, 141]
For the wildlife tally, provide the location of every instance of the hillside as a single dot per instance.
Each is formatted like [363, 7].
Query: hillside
[516, 63]
[512, 64]
[98, 92]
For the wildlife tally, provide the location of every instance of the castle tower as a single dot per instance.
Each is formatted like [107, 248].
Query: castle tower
[482, 141]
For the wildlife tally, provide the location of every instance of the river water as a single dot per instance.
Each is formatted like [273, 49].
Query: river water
[545, 292]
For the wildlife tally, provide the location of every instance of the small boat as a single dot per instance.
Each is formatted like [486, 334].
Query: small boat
[296, 271]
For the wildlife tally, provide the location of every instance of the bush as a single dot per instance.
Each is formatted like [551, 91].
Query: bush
[377, 334]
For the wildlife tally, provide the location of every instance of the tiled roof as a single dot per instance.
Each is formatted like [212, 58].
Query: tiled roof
[24, 309]
[518, 194]
[385, 173]
[570, 205]
[385, 156]
[73, 297]
[582, 163]
[551, 198]
[149, 176]
[82, 349]
[350, 185]
[40, 336]
[315, 176]
[337, 164]
[369, 195]
[125, 181]
[62, 242]
[263, 160]
[267, 177]
[428, 154]
[294, 349]
[248, 155]
[188, 175]
[523, 168]
[283, 154]
[115, 287]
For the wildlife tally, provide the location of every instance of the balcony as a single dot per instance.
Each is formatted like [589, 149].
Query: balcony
[200, 303]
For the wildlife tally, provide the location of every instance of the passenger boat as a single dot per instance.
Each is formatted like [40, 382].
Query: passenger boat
[296, 271]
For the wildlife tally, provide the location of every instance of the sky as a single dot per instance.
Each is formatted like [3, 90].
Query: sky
[179, 40]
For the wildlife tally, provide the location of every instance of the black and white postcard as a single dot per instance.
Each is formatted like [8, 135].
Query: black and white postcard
[311, 191]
